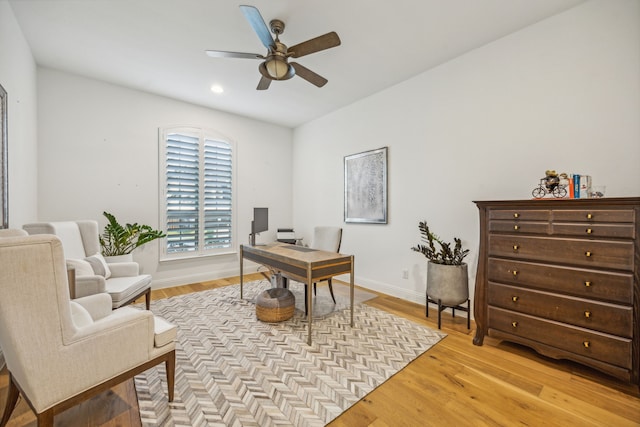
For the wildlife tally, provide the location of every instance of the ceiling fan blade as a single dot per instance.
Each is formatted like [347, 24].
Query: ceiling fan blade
[309, 75]
[224, 54]
[317, 44]
[264, 83]
[257, 23]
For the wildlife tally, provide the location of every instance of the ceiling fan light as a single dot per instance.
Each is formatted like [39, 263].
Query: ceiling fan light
[277, 67]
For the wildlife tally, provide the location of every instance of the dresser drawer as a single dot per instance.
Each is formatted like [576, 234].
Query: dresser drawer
[521, 214]
[594, 231]
[519, 227]
[581, 282]
[594, 215]
[582, 252]
[599, 316]
[584, 342]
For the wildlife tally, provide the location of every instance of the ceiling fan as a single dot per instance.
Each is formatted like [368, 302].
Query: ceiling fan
[276, 65]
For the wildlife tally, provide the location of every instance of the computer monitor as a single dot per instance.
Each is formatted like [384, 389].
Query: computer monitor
[259, 224]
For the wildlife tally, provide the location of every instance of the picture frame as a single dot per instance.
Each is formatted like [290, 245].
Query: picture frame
[4, 161]
[365, 187]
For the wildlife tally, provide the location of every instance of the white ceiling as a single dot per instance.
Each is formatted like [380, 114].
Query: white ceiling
[158, 46]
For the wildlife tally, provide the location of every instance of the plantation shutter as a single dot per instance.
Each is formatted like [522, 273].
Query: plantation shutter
[198, 194]
[217, 194]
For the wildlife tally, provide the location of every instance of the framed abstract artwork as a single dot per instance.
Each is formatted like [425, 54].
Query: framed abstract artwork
[365, 187]
[4, 174]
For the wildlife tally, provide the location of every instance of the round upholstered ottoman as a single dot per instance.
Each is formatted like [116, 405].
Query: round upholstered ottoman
[275, 305]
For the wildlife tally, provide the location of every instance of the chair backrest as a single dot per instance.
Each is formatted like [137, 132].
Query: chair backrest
[79, 238]
[327, 239]
[35, 314]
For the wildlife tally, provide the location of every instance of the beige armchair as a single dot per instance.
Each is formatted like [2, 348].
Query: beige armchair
[93, 274]
[59, 351]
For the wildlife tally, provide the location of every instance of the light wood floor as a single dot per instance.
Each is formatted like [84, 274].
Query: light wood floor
[453, 384]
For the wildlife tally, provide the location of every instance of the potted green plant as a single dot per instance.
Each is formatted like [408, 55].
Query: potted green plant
[118, 240]
[447, 273]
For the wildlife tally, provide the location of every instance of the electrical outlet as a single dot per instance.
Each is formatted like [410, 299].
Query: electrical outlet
[405, 274]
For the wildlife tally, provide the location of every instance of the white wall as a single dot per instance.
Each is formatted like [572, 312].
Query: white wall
[18, 77]
[562, 94]
[98, 151]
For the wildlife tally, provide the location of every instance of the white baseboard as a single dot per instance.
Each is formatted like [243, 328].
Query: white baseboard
[388, 289]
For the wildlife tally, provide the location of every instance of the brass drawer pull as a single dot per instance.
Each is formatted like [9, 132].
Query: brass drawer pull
[589, 231]
[586, 344]
[515, 273]
[516, 215]
[515, 248]
[587, 284]
[587, 314]
[516, 227]
[514, 324]
[589, 216]
[514, 298]
[588, 253]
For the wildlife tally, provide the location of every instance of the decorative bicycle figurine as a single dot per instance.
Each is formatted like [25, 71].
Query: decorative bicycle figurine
[550, 184]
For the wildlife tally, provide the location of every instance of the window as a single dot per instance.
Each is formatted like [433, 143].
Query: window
[197, 197]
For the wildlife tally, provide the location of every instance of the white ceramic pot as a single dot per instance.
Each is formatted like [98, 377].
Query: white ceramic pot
[119, 258]
[448, 283]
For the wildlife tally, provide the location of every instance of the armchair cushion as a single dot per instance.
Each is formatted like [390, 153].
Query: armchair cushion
[99, 265]
[79, 315]
[164, 332]
[123, 289]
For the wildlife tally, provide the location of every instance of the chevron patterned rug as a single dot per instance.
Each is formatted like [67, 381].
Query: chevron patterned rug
[234, 370]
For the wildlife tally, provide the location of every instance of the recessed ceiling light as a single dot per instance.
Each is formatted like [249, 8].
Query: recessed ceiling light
[217, 89]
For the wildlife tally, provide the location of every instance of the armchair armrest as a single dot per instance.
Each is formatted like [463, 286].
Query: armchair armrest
[124, 269]
[131, 327]
[98, 305]
[89, 285]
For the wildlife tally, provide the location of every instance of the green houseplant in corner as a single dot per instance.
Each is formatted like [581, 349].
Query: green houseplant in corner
[118, 240]
[447, 274]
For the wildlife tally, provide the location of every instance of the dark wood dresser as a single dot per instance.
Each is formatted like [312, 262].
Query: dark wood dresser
[561, 276]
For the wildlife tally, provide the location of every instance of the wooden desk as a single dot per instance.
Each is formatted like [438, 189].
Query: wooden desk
[301, 264]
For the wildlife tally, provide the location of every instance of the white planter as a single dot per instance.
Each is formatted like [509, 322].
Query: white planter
[119, 258]
[448, 283]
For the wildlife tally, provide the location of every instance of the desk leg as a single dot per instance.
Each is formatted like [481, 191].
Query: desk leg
[241, 273]
[309, 303]
[351, 290]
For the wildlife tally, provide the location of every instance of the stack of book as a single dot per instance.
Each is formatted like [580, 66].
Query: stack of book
[579, 186]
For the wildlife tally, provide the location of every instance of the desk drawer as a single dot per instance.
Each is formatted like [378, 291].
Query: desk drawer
[584, 342]
[594, 231]
[588, 253]
[599, 316]
[520, 227]
[594, 215]
[521, 214]
[581, 282]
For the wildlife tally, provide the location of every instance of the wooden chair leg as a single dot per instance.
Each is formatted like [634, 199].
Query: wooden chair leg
[12, 400]
[45, 419]
[147, 299]
[331, 290]
[170, 366]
